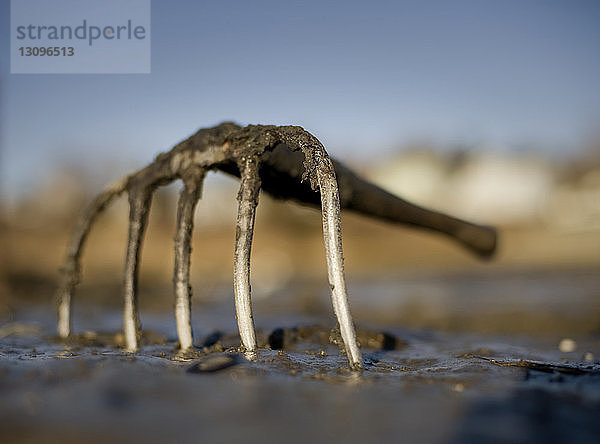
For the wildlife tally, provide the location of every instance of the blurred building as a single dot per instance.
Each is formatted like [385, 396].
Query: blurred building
[495, 187]
[492, 187]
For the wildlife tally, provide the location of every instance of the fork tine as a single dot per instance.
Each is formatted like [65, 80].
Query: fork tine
[332, 235]
[247, 202]
[71, 269]
[139, 207]
[188, 199]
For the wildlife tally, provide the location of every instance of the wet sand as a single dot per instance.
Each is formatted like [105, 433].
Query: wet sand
[433, 374]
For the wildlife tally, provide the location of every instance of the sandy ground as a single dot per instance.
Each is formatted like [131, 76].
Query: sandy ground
[476, 360]
[456, 350]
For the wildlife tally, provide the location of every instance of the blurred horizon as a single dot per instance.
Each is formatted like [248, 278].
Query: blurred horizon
[368, 81]
[482, 110]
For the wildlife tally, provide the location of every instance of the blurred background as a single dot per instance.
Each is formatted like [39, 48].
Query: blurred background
[486, 110]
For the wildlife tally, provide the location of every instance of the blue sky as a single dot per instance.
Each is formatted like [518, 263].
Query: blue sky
[365, 77]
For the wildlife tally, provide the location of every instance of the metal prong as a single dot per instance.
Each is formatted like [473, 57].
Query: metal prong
[332, 235]
[139, 207]
[70, 271]
[181, 278]
[247, 202]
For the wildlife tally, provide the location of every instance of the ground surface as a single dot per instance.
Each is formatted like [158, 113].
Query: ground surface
[466, 358]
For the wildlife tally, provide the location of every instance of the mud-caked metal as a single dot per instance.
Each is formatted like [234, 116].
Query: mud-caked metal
[285, 161]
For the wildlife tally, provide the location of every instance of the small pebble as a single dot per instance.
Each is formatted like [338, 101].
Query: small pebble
[567, 345]
[213, 363]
